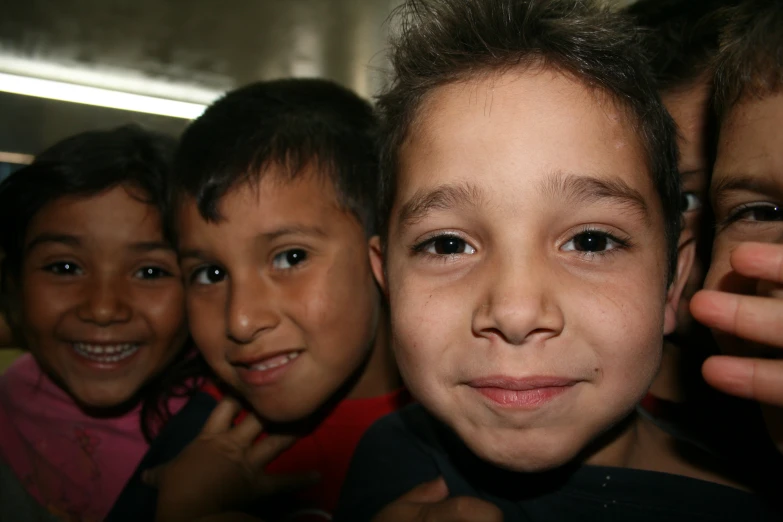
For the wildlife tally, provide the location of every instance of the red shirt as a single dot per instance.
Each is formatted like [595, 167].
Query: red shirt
[328, 450]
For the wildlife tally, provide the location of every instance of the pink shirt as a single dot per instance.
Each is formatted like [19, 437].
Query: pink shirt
[73, 464]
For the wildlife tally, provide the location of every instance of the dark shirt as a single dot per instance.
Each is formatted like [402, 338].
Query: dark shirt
[410, 447]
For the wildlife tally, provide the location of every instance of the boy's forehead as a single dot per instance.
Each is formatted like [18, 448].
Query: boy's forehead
[534, 118]
[750, 139]
[269, 205]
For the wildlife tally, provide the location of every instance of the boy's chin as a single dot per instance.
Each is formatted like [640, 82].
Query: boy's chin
[282, 413]
[525, 454]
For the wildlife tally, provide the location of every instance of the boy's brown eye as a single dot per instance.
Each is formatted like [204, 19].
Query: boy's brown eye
[690, 201]
[448, 246]
[289, 258]
[757, 212]
[445, 245]
[766, 213]
[63, 268]
[591, 242]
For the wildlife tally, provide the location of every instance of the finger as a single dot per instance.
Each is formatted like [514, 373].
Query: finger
[247, 431]
[428, 492]
[266, 450]
[463, 509]
[757, 379]
[270, 485]
[759, 261]
[758, 319]
[221, 417]
[151, 477]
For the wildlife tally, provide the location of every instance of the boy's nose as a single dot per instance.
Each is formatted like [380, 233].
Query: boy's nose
[519, 306]
[250, 311]
[104, 302]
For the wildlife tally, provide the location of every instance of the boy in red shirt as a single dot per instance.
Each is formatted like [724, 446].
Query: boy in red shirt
[275, 188]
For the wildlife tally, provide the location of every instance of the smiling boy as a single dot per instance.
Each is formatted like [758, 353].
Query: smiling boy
[530, 223]
[275, 187]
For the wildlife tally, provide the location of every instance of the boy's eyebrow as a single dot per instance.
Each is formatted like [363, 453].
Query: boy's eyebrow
[442, 197]
[296, 230]
[150, 246]
[46, 237]
[577, 188]
[732, 183]
[590, 189]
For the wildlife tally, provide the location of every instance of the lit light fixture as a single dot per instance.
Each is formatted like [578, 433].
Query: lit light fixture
[16, 157]
[69, 92]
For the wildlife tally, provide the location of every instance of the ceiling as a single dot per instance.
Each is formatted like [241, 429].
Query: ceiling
[214, 43]
[207, 45]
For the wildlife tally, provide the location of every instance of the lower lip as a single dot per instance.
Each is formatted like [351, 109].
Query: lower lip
[522, 399]
[104, 365]
[264, 377]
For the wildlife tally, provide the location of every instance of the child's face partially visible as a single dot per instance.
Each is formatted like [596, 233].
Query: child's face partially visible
[280, 294]
[747, 193]
[690, 108]
[525, 266]
[102, 301]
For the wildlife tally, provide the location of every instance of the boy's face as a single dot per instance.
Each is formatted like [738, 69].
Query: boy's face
[747, 193]
[690, 109]
[280, 295]
[101, 298]
[526, 266]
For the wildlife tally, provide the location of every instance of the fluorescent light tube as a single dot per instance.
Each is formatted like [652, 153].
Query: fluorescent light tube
[69, 92]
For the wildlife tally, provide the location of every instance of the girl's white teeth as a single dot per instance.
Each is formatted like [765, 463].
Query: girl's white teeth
[104, 352]
[274, 362]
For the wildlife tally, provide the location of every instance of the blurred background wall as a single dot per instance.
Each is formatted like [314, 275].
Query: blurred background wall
[184, 50]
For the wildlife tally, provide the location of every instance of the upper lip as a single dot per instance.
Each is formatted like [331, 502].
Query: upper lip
[104, 342]
[521, 383]
[250, 360]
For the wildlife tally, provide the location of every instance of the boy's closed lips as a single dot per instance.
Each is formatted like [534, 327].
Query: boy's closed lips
[522, 393]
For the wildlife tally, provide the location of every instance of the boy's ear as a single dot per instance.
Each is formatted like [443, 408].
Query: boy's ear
[376, 262]
[685, 256]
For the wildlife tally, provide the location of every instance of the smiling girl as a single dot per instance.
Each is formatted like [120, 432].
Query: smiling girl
[93, 292]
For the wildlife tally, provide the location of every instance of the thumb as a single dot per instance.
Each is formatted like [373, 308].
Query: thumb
[427, 493]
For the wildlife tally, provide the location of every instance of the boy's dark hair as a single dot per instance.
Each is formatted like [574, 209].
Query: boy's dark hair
[680, 37]
[85, 165]
[750, 61]
[448, 41]
[292, 123]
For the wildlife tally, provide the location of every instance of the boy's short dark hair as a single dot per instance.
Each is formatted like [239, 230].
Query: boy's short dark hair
[750, 61]
[680, 37]
[82, 165]
[292, 123]
[447, 41]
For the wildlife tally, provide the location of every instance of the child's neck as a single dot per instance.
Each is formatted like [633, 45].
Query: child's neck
[379, 374]
[639, 444]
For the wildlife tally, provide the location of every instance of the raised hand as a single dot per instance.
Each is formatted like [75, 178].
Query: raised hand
[756, 319]
[222, 470]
